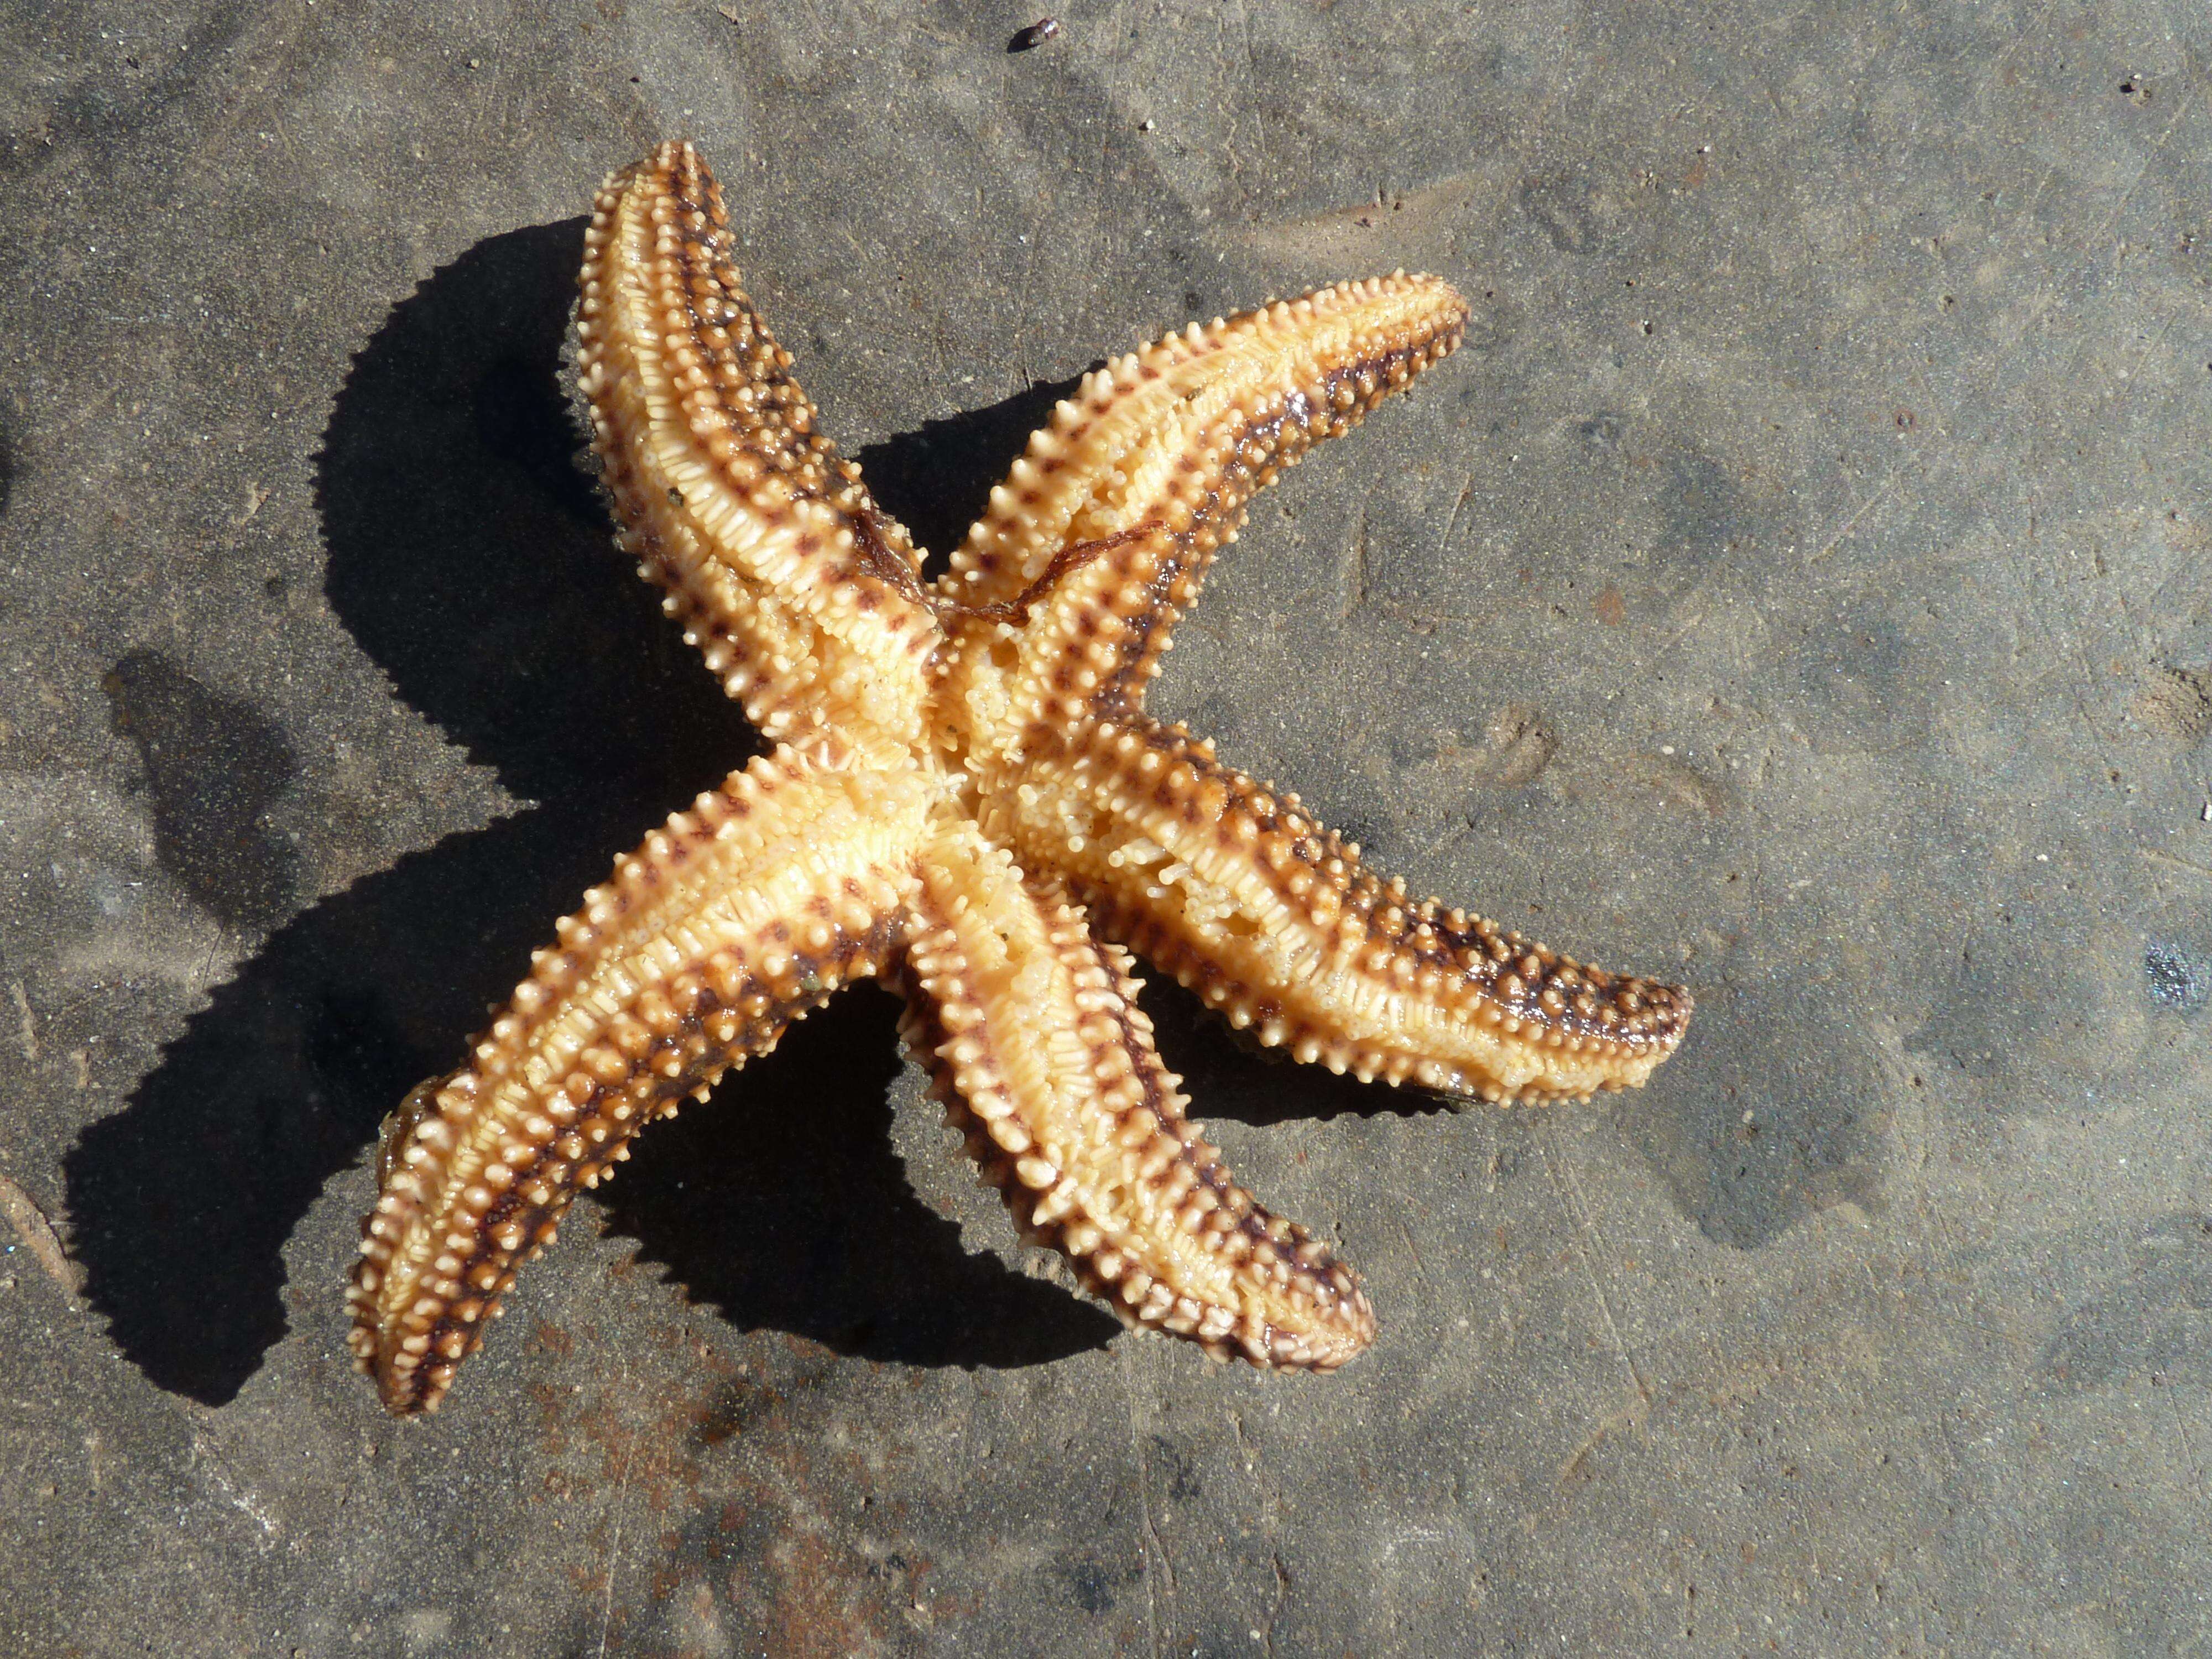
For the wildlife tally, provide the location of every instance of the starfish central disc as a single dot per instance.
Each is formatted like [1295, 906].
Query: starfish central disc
[967, 799]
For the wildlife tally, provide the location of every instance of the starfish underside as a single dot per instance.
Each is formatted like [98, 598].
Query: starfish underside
[967, 799]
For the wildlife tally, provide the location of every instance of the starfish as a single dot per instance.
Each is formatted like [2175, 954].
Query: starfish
[967, 799]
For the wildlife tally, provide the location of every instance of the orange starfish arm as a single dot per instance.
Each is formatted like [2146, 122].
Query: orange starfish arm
[736, 917]
[805, 599]
[1030, 1029]
[1170, 443]
[1249, 900]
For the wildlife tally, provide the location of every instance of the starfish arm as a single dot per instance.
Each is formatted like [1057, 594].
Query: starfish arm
[1031, 1030]
[1248, 901]
[1105, 528]
[734, 919]
[805, 599]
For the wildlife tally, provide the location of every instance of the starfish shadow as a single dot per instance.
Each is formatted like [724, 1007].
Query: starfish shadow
[471, 560]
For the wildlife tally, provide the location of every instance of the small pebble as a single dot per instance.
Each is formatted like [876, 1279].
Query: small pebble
[1035, 35]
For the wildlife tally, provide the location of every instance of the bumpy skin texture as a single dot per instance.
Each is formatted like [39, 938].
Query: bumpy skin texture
[968, 799]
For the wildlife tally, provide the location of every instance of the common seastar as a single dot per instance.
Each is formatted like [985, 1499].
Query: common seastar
[966, 798]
